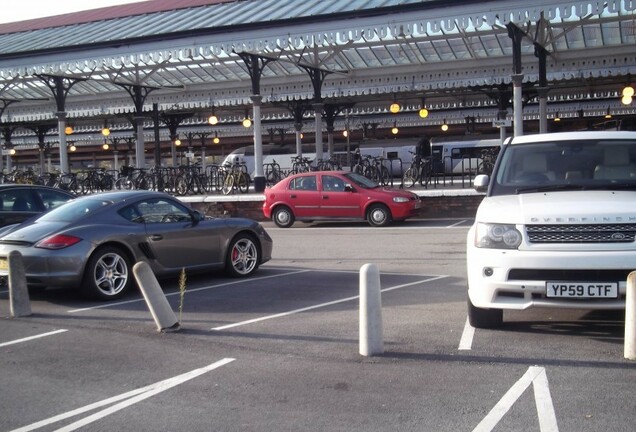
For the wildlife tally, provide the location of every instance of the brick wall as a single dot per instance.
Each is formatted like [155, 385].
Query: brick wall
[433, 207]
[462, 206]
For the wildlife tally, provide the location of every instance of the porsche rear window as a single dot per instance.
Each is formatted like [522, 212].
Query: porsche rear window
[74, 210]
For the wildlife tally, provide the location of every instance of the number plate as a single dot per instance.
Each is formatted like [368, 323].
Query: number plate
[4, 264]
[582, 290]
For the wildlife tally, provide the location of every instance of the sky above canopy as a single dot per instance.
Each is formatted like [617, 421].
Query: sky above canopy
[29, 9]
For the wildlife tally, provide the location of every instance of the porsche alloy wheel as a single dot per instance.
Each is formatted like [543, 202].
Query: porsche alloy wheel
[243, 256]
[107, 275]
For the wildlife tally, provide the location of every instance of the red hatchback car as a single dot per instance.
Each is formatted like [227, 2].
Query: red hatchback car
[336, 195]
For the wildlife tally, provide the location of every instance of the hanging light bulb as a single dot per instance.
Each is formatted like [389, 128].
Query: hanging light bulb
[246, 121]
[608, 114]
[216, 138]
[395, 108]
[394, 129]
[68, 129]
[105, 146]
[444, 126]
[423, 113]
[213, 119]
[557, 118]
[72, 148]
[345, 133]
[105, 129]
[627, 94]
[177, 142]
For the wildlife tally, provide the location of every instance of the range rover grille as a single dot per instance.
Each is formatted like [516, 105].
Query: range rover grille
[594, 233]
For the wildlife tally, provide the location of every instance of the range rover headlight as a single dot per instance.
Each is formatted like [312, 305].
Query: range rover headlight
[497, 236]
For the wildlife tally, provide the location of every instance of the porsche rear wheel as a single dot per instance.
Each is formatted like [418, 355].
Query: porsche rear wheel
[107, 275]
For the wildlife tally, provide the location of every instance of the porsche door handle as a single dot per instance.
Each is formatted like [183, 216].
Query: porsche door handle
[156, 237]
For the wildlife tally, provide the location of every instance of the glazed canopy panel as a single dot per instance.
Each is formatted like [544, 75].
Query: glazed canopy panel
[370, 50]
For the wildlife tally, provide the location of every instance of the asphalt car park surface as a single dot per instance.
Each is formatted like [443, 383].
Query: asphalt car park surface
[279, 351]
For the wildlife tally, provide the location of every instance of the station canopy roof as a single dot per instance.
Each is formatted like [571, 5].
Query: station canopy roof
[455, 57]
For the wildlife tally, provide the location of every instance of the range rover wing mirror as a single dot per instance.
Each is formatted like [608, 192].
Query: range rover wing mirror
[481, 183]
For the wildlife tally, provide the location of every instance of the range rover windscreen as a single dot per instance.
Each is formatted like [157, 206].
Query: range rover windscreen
[565, 165]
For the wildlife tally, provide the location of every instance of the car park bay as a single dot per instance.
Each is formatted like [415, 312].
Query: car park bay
[279, 351]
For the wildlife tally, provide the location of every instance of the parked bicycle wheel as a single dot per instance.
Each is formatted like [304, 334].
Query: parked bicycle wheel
[181, 186]
[243, 182]
[228, 184]
[426, 173]
[410, 177]
[371, 172]
[385, 176]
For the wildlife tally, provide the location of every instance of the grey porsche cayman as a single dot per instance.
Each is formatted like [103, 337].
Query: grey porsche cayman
[92, 242]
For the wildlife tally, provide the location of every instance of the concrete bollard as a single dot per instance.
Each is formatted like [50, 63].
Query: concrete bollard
[371, 337]
[156, 300]
[630, 317]
[18, 291]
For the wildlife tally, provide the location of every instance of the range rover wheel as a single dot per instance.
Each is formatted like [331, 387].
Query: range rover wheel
[484, 318]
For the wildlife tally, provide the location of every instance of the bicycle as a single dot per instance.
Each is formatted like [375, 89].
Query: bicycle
[69, 183]
[488, 158]
[190, 180]
[378, 172]
[330, 164]
[97, 180]
[135, 178]
[273, 173]
[300, 164]
[373, 168]
[419, 171]
[236, 177]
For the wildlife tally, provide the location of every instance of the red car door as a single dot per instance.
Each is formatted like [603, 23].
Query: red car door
[303, 196]
[335, 201]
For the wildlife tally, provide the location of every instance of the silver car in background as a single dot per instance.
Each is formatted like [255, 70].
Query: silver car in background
[92, 242]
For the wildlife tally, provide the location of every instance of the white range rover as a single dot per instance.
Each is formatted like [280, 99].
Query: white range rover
[557, 225]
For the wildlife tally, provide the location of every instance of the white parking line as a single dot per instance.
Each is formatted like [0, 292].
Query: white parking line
[17, 341]
[537, 377]
[127, 399]
[108, 305]
[466, 342]
[283, 314]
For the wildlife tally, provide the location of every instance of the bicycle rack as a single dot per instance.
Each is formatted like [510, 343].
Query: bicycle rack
[391, 174]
